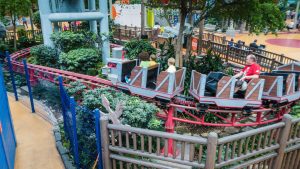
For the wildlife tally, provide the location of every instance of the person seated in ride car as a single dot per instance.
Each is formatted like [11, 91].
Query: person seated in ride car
[250, 71]
[171, 64]
[153, 60]
[144, 59]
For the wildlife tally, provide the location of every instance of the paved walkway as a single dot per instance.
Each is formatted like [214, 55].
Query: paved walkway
[36, 145]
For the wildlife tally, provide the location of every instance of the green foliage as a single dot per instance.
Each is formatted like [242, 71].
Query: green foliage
[45, 56]
[136, 112]
[204, 64]
[37, 19]
[76, 90]
[67, 41]
[296, 111]
[49, 93]
[135, 47]
[25, 42]
[80, 60]
[167, 51]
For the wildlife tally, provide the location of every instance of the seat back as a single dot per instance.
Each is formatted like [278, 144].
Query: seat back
[136, 76]
[255, 89]
[127, 67]
[297, 77]
[152, 73]
[197, 85]
[279, 82]
[225, 87]
[170, 82]
[295, 66]
[273, 85]
[212, 81]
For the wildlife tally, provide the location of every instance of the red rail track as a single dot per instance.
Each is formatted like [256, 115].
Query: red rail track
[187, 110]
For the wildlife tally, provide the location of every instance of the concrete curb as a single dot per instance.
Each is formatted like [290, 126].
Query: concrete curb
[63, 152]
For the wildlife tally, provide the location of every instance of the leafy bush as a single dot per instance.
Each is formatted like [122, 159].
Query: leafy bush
[80, 60]
[67, 41]
[37, 19]
[48, 92]
[25, 42]
[44, 55]
[205, 64]
[136, 112]
[167, 51]
[296, 111]
[135, 47]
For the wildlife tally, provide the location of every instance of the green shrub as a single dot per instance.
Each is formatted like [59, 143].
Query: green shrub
[44, 55]
[67, 41]
[167, 51]
[136, 112]
[80, 60]
[205, 64]
[37, 19]
[135, 47]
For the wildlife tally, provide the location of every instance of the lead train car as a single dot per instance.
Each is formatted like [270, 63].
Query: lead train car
[145, 82]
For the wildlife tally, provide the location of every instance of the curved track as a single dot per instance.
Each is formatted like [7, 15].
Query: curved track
[187, 111]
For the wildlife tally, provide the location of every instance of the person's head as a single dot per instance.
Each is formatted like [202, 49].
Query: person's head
[153, 57]
[231, 40]
[250, 59]
[255, 41]
[171, 61]
[144, 56]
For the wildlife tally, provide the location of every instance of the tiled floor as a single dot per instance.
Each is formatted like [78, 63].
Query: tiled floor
[35, 141]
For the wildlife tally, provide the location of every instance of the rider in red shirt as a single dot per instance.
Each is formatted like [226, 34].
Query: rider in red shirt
[250, 71]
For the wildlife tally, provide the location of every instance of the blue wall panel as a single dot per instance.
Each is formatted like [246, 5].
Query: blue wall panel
[7, 135]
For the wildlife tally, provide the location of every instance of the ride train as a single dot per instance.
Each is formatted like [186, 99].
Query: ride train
[212, 96]
[271, 94]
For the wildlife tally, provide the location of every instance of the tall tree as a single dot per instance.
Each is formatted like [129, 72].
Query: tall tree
[14, 9]
[261, 15]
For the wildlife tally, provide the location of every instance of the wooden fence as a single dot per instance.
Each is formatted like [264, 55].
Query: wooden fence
[125, 33]
[238, 55]
[28, 33]
[275, 146]
[280, 58]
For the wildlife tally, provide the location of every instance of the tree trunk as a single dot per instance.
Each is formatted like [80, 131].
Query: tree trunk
[200, 36]
[31, 22]
[179, 58]
[143, 17]
[14, 31]
[189, 37]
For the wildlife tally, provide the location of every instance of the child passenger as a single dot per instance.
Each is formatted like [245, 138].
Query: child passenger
[171, 63]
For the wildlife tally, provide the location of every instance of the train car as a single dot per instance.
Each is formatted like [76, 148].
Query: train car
[225, 92]
[145, 82]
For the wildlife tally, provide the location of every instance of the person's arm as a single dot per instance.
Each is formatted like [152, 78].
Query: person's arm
[239, 74]
[250, 77]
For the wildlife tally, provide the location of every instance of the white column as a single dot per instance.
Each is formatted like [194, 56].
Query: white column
[104, 30]
[45, 10]
[93, 24]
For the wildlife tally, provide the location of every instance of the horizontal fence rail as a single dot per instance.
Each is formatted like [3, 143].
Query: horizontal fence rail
[152, 146]
[125, 33]
[276, 146]
[28, 34]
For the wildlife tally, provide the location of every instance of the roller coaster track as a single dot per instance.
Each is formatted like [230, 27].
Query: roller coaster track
[188, 112]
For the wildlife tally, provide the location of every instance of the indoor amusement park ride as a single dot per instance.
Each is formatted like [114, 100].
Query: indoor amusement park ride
[266, 99]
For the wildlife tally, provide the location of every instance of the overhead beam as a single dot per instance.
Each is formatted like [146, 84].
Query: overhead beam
[84, 16]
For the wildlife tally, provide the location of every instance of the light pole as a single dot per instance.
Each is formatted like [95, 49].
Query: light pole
[296, 14]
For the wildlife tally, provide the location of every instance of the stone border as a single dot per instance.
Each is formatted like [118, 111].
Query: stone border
[63, 152]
